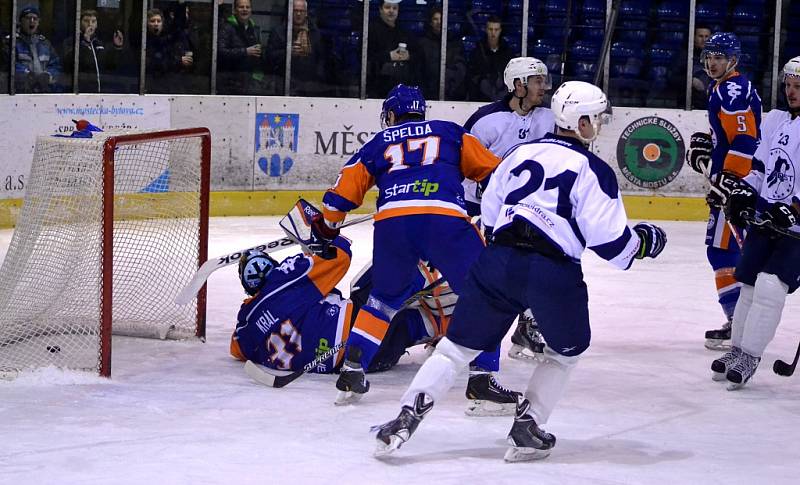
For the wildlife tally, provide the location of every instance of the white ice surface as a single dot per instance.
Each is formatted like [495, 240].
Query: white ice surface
[641, 406]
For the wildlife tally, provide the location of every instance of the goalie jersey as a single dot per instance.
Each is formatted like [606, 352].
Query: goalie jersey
[775, 170]
[295, 317]
[418, 168]
[734, 113]
[567, 194]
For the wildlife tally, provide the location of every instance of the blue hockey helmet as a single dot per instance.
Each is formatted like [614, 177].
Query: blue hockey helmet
[403, 100]
[254, 267]
[722, 44]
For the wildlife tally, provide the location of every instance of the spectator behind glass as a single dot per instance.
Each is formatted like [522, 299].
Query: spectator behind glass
[310, 56]
[487, 64]
[392, 54]
[700, 78]
[166, 56]
[455, 66]
[100, 67]
[242, 60]
[37, 67]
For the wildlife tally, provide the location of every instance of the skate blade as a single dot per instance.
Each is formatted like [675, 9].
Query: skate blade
[514, 454]
[733, 386]
[718, 344]
[518, 352]
[717, 376]
[343, 398]
[482, 408]
[383, 449]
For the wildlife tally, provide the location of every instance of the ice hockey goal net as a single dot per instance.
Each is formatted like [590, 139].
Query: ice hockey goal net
[110, 230]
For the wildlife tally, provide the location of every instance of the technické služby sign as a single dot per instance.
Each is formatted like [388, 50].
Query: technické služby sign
[650, 152]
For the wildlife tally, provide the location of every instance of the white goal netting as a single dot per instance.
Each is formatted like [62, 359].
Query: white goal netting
[75, 244]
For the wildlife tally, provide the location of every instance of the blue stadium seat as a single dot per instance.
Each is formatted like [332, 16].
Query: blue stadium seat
[413, 26]
[634, 9]
[555, 8]
[710, 13]
[585, 51]
[630, 35]
[594, 9]
[671, 37]
[582, 70]
[470, 42]
[493, 6]
[553, 32]
[514, 7]
[673, 10]
[627, 60]
[661, 54]
[589, 34]
[547, 52]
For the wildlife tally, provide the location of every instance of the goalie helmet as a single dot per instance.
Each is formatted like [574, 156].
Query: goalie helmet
[403, 100]
[575, 99]
[792, 68]
[523, 67]
[254, 267]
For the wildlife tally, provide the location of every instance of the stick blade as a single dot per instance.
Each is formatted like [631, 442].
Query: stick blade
[257, 374]
[782, 368]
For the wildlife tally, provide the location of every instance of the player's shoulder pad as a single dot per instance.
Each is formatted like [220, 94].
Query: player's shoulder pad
[604, 174]
[496, 107]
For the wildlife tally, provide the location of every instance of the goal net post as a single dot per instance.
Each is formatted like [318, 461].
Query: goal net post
[111, 229]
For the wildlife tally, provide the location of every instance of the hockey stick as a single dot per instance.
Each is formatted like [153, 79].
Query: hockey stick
[204, 272]
[772, 227]
[275, 378]
[734, 230]
[783, 369]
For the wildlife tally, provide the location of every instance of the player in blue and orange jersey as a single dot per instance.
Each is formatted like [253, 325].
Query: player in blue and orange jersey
[724, 157]
[295, 313]
[418, 167]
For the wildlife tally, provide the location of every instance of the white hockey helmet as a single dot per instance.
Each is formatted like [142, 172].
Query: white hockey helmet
[575, 99]
[792, 68]
[523, 67]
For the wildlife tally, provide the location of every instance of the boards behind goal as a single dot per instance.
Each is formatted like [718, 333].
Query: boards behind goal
[110, 230]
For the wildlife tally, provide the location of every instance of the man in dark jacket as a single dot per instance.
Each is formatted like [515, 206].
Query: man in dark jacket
[487, 64]
[242, 59]
[392, 55]
[101, 68]
[167, 56]
[311, 57]
[455, 66]
[37, 67]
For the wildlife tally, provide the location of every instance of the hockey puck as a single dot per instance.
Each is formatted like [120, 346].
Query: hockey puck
[53, 349]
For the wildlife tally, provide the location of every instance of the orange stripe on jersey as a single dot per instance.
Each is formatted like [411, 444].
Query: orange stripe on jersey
[235, 350]
[737, 164]
[476, 161]
[411, 211]
[724, 277]
[368, 323]
[348, 315]
[354, 181]
[738, 123]
[327, 272]
[726, 234]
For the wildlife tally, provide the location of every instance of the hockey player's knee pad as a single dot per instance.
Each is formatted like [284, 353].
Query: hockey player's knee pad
[770, 289]
[721, 258]
[382, 307]
[562, 360]
[459, 354]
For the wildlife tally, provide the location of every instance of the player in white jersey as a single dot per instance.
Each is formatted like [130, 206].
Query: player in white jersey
[517, 118]
[768, 199]
[548, 201]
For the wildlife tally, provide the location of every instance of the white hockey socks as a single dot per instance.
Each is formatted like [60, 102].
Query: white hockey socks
[548, 382]
[438, 373]
[769, 297]
[740, 314]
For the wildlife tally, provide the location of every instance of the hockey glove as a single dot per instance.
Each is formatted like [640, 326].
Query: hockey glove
[698, 156]
[652, 240]
[322, 230]
[722, 184]
[782, 216]
[741, 205]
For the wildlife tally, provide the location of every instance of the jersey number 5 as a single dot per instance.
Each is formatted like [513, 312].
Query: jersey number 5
[396, 154]
[563, 182]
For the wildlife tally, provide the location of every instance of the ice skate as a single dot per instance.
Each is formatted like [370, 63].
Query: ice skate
[721, 366]
[742, 370]
[352, 383]
[527, 342]
[393, 434]
[719, 339]
[487, 397]
[526, 439]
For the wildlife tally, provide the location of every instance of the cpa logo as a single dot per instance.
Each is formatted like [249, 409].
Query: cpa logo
[780, 181]
[734, 90]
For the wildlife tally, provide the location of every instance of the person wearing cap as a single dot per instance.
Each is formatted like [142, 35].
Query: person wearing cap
[38, 67]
